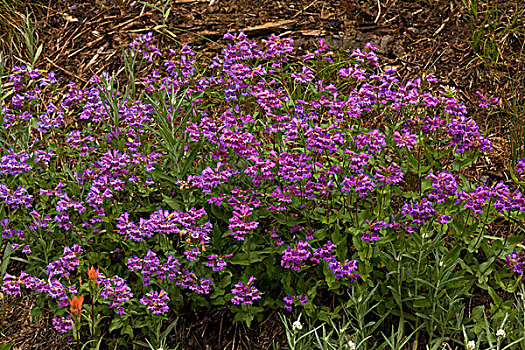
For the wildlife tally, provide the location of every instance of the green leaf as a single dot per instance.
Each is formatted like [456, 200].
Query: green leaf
[422, 303]
[190, 159]
[127, 330]
[495, 297]
[242, 258]
[116, 323]
[36, 313]
[172, 203]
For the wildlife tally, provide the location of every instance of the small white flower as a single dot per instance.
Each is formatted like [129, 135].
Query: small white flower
[471, 345]
[351, 345]
[297, 326]
[501, 333]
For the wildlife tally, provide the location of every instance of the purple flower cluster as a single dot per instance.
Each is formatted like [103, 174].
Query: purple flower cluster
[296, 257]
[362, 184]
[475, 199]
[156, 302]
[514, 262]
[164, 222]
[145, 45]
[15, 199]
[504, 200]
[116, 291]
[520, 166]
[190, 281]
[62, 324]
[243, 203]
[289, 301]
[150, 267]
[217, 263]
[300, 154]
[500, 194]
[12, 286]
[388, 175]
[375, 140]
[245, 294]
[466, 135]
[324, 253]
[373, 233]
[419, 213]
[443, 187]
[485, 102]
[344, 269]
[68, 262]
[407, 139]
[210, 178]
[14, 163]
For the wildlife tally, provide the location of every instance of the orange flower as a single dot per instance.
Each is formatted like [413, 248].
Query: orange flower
[76, 306]
[93, 275]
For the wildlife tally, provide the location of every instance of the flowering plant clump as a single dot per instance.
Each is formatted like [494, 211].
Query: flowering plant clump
[303, 175]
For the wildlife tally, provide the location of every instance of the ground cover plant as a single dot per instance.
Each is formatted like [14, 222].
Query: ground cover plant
[327, 186]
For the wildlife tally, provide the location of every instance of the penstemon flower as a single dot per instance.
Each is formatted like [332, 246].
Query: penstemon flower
[156, 302]
[62, 324]
[514, 262]
[245, 294]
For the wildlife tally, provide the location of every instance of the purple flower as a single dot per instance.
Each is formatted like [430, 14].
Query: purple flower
[117, 291]
[420, 213]
[390, 175]
[514, 262]
[344, 269]
[295, 258]
[520, 166]
[16, 199]
[295, 167]
[324, 253]
[360, 183]
[63, 324]
[304, 76]
[11, 285]
[156, 302]
[245, 294]
[190, 281]
[375, 140]
[68, 262]
[14, 163]
[151, 267]
[407, 139]
[289, 301]
[475, 199]
[210, 178]
[444, 186]
[145, 45]
[239, 223]
[217, 263]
